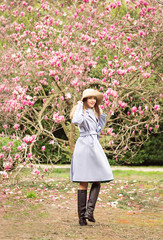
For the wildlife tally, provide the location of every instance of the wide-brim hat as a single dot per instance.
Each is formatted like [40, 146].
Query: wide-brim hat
[92, 93]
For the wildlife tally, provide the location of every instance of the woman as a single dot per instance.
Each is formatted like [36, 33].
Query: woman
[89, 163]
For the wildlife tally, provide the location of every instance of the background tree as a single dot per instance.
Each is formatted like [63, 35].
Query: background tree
[51, 52]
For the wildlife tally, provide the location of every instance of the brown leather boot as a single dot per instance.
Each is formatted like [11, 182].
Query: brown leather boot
[93, 195]
[82, 199]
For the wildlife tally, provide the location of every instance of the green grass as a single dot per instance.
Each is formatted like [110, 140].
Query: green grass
[31, 195]
[138, 175]
[64, 173]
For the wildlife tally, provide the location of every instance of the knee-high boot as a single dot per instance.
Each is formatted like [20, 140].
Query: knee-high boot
[82, 199]
[93, 195]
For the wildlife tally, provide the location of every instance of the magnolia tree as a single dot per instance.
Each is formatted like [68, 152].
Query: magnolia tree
[51, 52]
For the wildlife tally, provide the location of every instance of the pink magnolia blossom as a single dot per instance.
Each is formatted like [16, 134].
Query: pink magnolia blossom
[16, 126]
[52, 72]
[149, 55]
[56, 77]
[4, 148]
[122, 104]
[75, 82]
[70, 56]
[104, 71]
[121, 71]
[8, 166]
[29, 139]
[5, 126]
[43, 148]
[68, 95]
[102, 107]
[17, 156]
[110, 63]
[141, 33]
[111, 112]
[57, 118]
[30, 8]
[1, 155]
[29, 155]
[24, 3]
[19, 148]
[36, 171]
[107, 103]
[22, 14]
[146, 75]
[109, 131]
[157, 107]
[115, 83]
[24, 145]
[141, 112]
[132, 69]
[134, 109]
[111, 142]
[110, 74]
[2, 7]
[111, 92]
[4, 174]
[9, 149]
[147, 64]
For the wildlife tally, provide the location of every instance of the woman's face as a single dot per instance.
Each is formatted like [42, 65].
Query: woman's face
[91, 101]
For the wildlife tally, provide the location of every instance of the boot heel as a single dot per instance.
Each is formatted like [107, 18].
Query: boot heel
[90, 217]
[82, 222]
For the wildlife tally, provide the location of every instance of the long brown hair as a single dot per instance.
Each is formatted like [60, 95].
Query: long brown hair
[96, 108]
[73, 111]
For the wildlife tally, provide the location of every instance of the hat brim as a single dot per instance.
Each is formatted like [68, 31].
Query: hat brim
[97, 94]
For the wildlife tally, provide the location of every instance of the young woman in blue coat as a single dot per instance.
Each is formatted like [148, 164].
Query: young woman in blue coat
[89, 163]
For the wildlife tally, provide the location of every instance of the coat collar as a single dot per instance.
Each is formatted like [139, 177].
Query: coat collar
[91, 114]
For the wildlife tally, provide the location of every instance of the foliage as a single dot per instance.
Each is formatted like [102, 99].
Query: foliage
[151, 152]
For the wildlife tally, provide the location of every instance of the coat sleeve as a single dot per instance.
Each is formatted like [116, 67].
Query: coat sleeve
[101, 122]
[78, 117]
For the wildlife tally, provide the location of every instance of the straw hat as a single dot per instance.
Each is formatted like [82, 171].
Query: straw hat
[92, 93]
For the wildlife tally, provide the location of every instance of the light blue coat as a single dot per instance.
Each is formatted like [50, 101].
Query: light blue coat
[89, 162]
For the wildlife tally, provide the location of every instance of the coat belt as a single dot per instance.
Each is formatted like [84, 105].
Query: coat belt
[83, 134]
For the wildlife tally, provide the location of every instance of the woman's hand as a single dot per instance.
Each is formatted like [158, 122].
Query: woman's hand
[80, 102]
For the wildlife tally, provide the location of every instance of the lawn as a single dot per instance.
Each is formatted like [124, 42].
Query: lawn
[127, 208]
